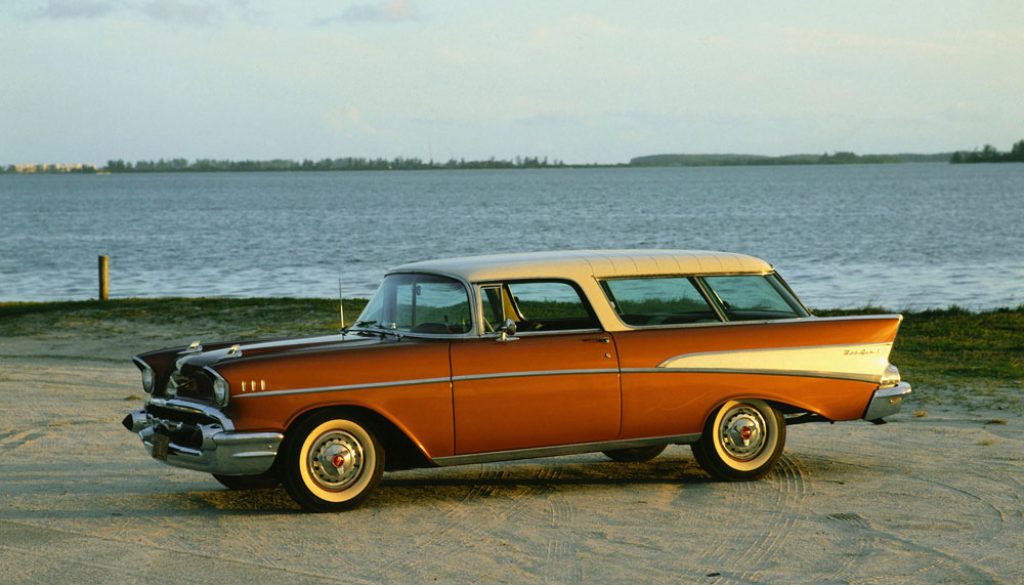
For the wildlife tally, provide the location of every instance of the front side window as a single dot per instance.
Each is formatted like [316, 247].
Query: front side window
[537, 307]
[418, 303]
[752, 298]
[658, 301]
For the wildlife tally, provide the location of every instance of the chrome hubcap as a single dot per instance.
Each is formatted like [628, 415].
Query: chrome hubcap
[336, 460]
[742, 433]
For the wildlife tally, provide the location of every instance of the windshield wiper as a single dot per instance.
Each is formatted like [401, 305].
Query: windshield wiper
[375, 328]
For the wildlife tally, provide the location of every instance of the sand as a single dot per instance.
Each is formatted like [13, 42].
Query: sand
[927, 499]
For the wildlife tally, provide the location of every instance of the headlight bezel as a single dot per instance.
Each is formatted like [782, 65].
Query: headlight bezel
[221, 388]
[148, 379]
[148, 375]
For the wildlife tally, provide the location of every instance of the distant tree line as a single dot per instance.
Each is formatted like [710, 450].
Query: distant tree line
[724, 160]
[206, 165]
[989, 154]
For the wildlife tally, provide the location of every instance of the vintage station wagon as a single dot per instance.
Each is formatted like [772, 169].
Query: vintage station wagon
[493, 358]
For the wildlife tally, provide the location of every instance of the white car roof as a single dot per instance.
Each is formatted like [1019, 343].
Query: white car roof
[582, 265]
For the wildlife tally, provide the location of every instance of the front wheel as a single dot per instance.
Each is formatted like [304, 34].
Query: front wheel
[742, 441]
[331, 462]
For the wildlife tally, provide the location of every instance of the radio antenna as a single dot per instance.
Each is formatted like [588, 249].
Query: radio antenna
[341, 305]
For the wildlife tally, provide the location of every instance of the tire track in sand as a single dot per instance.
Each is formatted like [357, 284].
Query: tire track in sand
[463, 520]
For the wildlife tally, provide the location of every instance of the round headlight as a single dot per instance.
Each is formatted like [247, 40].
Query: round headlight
[221, 391]
[148, 379]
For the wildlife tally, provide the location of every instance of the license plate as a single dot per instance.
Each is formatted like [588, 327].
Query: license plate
[160, 443]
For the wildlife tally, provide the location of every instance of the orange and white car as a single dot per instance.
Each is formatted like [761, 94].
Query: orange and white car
[493, 358]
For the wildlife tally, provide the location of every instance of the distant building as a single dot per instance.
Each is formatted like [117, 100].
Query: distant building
[30, 168]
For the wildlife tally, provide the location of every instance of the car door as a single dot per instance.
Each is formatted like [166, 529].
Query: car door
[555, 382]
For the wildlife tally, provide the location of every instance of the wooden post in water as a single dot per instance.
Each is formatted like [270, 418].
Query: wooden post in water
[104, 278]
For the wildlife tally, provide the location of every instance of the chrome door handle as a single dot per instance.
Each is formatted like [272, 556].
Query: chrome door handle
[597, 339]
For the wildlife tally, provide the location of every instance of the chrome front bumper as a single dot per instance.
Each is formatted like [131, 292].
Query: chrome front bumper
[886, 402]
[208, 444]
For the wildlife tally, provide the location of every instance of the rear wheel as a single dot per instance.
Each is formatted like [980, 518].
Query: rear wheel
[247, 482]
[635, 454]
[742, 441]
[331, 462]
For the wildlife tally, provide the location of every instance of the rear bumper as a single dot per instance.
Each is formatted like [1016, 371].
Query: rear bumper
[886, 402]
[209, 445]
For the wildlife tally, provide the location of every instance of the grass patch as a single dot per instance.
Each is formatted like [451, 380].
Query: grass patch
[944, 353]
[220, 317]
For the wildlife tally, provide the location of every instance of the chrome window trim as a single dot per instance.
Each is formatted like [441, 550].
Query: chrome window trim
[763, 322]
[585, 300]
[785, 285]
[558, 332]
[570, 449]
[478, 289]
[695, 281]
[710, 297]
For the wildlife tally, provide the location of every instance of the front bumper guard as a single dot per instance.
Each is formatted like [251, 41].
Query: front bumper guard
[221, 451]
[886, 402]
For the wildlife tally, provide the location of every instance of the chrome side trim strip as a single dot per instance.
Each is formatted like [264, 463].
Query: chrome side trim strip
[793, 373]
[579, 372]
[538, 374]
[345, 387]
[848, 360]
[853, 346]
[574, 449]
[428, 381]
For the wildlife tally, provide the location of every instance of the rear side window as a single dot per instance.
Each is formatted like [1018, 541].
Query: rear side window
[658, 301]
[751, 298]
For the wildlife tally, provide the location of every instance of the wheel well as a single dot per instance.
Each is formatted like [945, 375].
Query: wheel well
[793, 414]
[401, 452]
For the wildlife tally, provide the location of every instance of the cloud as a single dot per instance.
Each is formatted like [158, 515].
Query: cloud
[389, 11]
[192, 12]
[75, 9]
[827, 41]
[183, 12]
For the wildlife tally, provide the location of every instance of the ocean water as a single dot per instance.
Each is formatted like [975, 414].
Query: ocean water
[898, 236]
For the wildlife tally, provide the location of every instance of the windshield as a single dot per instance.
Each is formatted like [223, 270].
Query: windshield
[418, 303]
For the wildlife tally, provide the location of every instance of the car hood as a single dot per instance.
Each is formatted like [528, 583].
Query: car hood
[222, 352]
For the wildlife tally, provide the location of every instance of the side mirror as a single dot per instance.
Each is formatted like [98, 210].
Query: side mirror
[507, 332]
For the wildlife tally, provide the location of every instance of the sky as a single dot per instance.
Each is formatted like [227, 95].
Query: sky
[580, 81]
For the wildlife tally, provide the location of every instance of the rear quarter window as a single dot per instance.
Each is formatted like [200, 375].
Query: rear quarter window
[753, 297]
